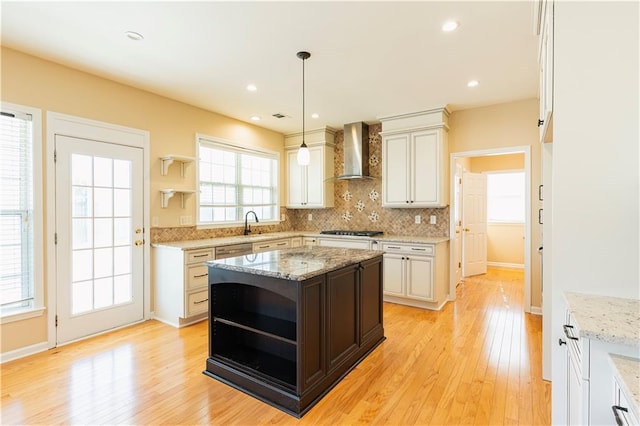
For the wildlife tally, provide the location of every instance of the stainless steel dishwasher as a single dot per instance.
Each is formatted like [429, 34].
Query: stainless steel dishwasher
[233, 250]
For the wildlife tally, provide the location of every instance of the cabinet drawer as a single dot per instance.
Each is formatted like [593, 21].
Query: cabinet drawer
[197, 303]
[425, 250]
[196, 276]
[271, 245]
[196, 256]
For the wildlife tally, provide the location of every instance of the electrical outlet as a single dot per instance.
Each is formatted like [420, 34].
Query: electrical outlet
[432, 219]
[310, 216]
[185, 220]
[418, 219]
[155, 221]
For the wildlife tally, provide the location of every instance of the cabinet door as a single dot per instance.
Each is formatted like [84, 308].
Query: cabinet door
[296, 181]
[425, 168]
[342, 315]
[574, 391]
[315, 178]
[393, 274]
[419, 280]
[395, 174]
[371, 300]
[312, 309]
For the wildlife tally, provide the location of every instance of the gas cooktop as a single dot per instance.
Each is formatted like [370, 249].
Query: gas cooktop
[354, 233]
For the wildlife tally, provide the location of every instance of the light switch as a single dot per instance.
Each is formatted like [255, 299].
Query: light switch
[418, 219]
[310, 216]
[185, 220]
[432, 219]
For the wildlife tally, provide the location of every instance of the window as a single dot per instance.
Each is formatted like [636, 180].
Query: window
[20, 220]
[505, 197]
[234, 180]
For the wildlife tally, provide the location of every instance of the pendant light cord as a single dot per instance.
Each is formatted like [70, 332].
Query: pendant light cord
[303, 112]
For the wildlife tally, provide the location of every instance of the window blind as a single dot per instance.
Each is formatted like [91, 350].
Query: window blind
[16, 210]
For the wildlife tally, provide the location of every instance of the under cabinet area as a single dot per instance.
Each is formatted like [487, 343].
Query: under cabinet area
[416, 274]
[181, 278]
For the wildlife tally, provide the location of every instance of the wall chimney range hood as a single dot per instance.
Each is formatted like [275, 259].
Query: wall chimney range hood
[356, 152]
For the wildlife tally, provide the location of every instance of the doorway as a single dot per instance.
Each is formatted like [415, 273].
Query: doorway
[98, 256]
[457, 210]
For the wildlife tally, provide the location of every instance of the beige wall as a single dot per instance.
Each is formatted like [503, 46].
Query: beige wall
[34, 82]
[497, 162]
[505, 243]
[503, 126]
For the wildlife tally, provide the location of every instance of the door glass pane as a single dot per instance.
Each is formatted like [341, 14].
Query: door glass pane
[81, 170]
[122, 174]
[82, 234]
[103, 172]
[82, 265]
[103, 259]
[82, 297]
[82, 202]
[103, 292]
[122, 231]
[104, 232]
[122, 202]
[122, 289]
[122, 260]
[103, 202]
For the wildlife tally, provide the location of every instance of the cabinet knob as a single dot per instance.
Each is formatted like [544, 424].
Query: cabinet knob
[561, 342]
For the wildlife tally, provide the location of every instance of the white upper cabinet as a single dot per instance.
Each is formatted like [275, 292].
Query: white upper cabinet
[415, 164]
[310, 187]
[545, 61]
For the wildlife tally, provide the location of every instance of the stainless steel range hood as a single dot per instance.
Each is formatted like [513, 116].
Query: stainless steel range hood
[356, 152]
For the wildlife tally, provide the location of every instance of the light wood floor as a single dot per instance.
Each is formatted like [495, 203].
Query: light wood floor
[476, 362]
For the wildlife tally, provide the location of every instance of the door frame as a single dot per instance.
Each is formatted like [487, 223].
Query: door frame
[526, 150]
[78, 127]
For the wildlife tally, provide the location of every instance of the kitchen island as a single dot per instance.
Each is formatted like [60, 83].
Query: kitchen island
[286, 326]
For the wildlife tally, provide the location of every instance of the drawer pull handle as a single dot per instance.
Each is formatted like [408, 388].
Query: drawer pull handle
[200, 276]
[615, 409]
[418, 249]
[566, 332]
[201, 255]
[263, 246]
[201, 301]
[282, 244]
[395, 248]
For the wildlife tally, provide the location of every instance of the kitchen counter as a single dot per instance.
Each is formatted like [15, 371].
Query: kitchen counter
[297, 264]
[225, 241]
[628, 370]
[608, 319]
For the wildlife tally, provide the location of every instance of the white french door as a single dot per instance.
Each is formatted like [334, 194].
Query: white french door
[474, 223]
[99, 231]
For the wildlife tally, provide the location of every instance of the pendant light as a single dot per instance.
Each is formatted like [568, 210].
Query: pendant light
[303, 152]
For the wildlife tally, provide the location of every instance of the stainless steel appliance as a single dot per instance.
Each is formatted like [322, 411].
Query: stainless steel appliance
[352, 233]
[233, 250]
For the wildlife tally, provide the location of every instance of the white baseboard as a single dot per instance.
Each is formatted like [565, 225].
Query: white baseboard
[23, 352]
[536, 310]
[506, 265]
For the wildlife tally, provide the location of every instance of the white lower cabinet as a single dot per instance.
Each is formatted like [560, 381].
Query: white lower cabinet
[181, 279]
[344, 243]
[415, 274]
[622, 408]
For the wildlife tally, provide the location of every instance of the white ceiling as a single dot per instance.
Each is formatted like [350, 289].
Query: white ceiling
[368, 59]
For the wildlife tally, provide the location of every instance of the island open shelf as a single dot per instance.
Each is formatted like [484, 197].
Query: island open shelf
[288, 333]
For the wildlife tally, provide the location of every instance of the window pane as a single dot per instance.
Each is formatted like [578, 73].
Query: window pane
[122, 173]
[103, 292]
[81, 170]
[103, 232]
[103, 202]
[103, 172]
[82, 265]
[82, 234]
[103, 262]
[122, 202]
[82, 202]
[122, 289]
[122, 231]
[81, 297]
[505, 197]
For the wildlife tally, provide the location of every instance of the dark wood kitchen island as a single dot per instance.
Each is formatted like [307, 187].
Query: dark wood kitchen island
[286, 326]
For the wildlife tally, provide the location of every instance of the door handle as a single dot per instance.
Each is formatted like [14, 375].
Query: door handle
[138, 230]
[466, 229]
[139, 242]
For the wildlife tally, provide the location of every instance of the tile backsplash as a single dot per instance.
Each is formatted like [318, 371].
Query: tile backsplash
[358, 206]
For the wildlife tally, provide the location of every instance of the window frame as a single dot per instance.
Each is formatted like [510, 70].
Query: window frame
[36, 307]
[524, 197]
[235, 146]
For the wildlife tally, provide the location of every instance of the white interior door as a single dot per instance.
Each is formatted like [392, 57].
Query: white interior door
[474, 222]
[99, 231]
[457, 214]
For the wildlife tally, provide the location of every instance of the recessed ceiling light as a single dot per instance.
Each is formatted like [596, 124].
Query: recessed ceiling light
[473, 83]
[315, 115]
[255, 117]
[252, 87]
[134, 35]
[450, 26]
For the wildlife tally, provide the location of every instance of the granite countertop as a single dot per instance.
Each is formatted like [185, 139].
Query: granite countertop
[295, 264]
[608, 319]
[628, 370]
[225, 241]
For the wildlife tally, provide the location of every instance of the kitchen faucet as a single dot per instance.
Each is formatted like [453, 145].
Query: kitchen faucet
[247, 228]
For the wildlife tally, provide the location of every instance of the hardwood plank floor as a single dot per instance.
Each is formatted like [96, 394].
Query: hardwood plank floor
[478, 361]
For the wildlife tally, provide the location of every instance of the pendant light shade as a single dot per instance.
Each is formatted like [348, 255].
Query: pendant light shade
[303, 152]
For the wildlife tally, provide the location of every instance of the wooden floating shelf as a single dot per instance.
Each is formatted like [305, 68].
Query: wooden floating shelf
[168, 193]
[168, 160]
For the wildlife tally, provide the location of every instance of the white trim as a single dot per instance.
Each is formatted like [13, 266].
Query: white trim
[22, 314]
[38, 212]
[23, 352]
[506, 265]
[67, 125]
[526, 150]
[536, 310]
